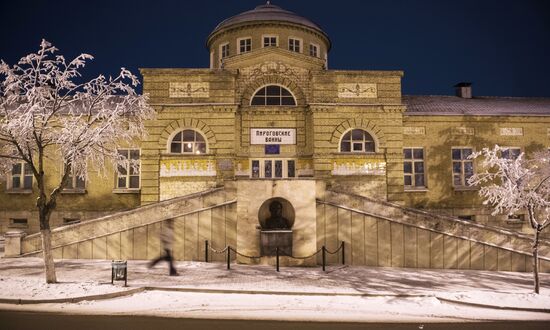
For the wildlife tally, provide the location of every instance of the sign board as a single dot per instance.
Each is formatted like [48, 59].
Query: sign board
[272, 136]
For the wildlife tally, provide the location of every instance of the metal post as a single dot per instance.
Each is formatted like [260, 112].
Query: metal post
[323, 249]
[112, 273]
[277, 251]
[126, 276]
[228, 257]
[206, 251]
[343, 253]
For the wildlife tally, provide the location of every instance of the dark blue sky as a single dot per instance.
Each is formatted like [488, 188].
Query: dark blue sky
[502, 46]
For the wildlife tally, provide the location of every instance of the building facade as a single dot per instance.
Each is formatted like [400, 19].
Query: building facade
[270, 122]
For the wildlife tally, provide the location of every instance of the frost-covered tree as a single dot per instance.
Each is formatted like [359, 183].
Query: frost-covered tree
[511, 184]
[48, 112]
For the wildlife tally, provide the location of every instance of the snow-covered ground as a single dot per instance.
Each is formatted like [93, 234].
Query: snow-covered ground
[258, 292]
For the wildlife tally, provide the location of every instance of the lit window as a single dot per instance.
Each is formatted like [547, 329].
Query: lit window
[413, 168]
[294, 45]
[129, 171]
[463, 168]
[273, 95]
[357, 140]
[245, 45]
[188, 142]
[313, 50]
[511, 153]
[21, 177]
[270, 41]
[273, 168]
[224, 52]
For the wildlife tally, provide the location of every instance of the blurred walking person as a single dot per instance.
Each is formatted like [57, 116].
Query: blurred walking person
[166, 240]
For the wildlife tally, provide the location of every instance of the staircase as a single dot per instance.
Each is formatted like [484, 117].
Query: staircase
[380, 233]
[135, 234]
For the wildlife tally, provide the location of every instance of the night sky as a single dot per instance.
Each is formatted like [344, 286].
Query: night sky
[502, 46]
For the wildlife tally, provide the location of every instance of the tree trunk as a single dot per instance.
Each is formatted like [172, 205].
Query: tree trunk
[536, 261]
[48, 255]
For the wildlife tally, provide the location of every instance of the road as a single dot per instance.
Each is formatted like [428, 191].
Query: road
[13, 320]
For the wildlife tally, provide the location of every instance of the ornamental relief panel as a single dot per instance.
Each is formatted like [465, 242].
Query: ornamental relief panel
[511, 131]
[357, 90]
[358, 167]
[274, 68]
[191, 167]
[189, 89]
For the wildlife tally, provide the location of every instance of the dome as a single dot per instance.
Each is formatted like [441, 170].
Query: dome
[268, 12]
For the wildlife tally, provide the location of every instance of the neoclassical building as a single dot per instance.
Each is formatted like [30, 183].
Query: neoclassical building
[269, 131]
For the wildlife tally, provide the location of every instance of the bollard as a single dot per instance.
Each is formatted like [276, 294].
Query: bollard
[343, 253]
[324, 254]
[228, 257]
[277, 252]
[206, 251]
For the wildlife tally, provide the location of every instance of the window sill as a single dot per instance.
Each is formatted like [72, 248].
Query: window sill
[19, 191]
[126, 191]
[423, 189]
[465, 188]
[175, 154]
[18, 226]
[73, 191]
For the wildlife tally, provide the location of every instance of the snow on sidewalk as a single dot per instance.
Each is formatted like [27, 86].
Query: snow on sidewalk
[23, 279]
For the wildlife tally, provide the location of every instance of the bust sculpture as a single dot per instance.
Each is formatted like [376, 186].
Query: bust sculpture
[276, 220]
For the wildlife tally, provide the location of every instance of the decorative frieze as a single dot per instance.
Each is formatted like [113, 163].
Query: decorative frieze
[358, 167]
[511, 131]
[189, 89]
[414, 130]
[357, 90]
[463, 131]
[191, 167]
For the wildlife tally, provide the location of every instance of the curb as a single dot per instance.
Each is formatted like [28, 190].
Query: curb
[73, 299]
[522, 309]
[265, 292]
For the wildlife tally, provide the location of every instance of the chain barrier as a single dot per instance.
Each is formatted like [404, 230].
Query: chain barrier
[337, 250]
[228, 249]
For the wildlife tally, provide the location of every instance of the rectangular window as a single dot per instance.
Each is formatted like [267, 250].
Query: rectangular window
[313, 50]
[413, 168]
[18, 223]
[294, 45]
[273, 168]
[511, 152]
[21, 177]
[463, 168]
[245, 45]
[224, 51]
[128, 173]
[255, 168]
[466, 217]
[270, 41]
[75, 183]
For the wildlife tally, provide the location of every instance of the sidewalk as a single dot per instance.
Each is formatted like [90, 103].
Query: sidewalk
[22, 282]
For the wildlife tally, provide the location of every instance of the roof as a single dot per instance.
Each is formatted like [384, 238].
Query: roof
[484, 105]
[268, 12]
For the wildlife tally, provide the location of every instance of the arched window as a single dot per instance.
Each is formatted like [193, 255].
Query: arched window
[188, 141]
[357, 140]
[273, 95]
